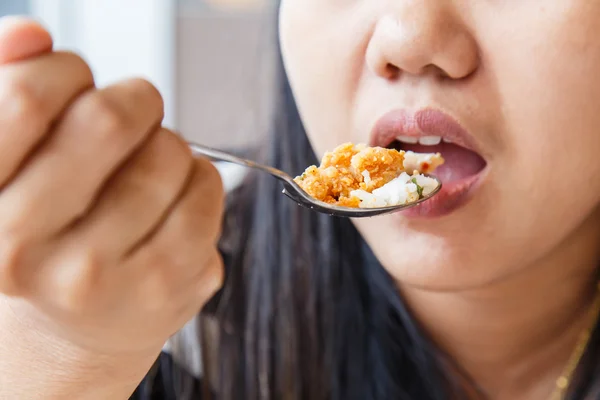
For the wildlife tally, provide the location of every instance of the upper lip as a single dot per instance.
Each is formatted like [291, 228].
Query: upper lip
[424, 122]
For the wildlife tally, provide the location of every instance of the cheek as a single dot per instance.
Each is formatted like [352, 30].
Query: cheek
[321, 48]
[550, 91]
[544, 182]
[539, 77]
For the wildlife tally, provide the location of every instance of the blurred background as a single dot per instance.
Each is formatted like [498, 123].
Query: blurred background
[211, 59]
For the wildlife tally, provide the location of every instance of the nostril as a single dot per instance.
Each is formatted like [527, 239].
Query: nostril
[421, 41]
[392, 71]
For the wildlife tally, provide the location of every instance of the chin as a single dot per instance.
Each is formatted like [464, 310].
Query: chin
[433, 257]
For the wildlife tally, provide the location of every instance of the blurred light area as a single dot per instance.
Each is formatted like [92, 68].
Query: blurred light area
[226, 5]
[13, 7]
[211, 59]
[119, 39]
[225, 71]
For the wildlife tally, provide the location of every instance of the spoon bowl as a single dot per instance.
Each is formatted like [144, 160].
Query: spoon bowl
[292, 190]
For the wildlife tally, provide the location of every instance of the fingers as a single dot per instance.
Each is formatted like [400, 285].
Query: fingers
[196, 218]
[199, 289]
[177, 258]
[32, 94]
[137, 198]
[182, 251]
[21, 38]
[108, 226]
[95, 136]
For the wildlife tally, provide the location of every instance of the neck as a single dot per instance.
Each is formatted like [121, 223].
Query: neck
[513, 337]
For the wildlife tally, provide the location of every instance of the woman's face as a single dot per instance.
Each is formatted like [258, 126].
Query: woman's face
[521, 78]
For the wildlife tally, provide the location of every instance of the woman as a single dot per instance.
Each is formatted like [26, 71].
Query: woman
[490, 291]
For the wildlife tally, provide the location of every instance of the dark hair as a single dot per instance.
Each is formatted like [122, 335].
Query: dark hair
[307, 311]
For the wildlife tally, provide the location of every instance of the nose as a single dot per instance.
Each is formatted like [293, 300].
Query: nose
[419, 37]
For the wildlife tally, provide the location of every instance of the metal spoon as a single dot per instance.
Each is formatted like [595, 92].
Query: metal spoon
[296, 193]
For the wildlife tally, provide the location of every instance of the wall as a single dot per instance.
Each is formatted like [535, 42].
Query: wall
[224, 75]
[8, 7]
[210, 63]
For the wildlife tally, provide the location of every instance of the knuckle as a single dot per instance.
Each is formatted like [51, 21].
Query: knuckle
[77, 65]
[165, 167]
[208, 196]
[210, 178]
[12, 250]
[171, 141]
[20, 102]
[117, 109]
[111, 121]
[76, 279]
[171, 158]
[217, 271]
[158, 287]
[144, 92]
[212, 272]
[212, 278]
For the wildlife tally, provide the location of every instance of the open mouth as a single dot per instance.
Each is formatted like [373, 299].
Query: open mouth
[431, 130]
[460, 162]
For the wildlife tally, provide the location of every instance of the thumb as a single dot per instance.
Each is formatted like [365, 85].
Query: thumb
[22, 38]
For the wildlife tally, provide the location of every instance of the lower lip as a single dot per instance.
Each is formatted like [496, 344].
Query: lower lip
[450, 198]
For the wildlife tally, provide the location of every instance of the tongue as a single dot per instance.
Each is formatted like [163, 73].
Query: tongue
[459, 163]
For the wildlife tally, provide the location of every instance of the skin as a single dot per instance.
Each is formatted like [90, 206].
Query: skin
[502, 284]
[108, 226]
[97, 263]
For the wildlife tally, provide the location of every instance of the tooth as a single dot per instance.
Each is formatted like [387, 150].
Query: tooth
[447, 140]
[407, 139]
[430, 140]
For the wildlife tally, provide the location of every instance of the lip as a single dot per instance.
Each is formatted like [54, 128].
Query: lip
[424, 122]
[431, 122]
[451, 197]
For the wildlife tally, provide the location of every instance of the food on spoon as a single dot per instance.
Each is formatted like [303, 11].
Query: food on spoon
[359, 176]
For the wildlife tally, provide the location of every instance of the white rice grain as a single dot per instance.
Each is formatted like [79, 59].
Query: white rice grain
[367, 176]
[399, 191]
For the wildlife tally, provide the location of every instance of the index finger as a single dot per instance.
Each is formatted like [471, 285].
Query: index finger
[22, 38]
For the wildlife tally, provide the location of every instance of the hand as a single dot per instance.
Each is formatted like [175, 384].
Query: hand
[108, 225]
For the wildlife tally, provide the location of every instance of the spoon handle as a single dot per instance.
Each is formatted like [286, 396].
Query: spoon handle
[219, 155]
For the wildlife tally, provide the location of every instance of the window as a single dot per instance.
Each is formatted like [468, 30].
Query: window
[119, 39]
[20, 7]
[190, 49]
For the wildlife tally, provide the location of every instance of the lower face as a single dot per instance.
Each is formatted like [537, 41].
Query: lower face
[521, 80]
